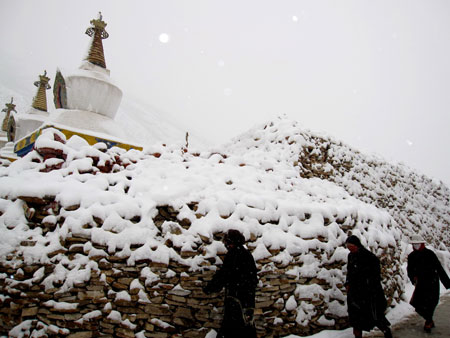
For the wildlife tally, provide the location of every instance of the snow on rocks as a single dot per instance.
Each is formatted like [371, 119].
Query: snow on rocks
[139, 239]
[417, 203]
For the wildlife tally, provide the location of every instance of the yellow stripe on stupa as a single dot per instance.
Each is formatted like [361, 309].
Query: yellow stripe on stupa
[29, 140]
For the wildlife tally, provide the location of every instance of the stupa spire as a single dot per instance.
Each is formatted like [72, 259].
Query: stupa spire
[9, 108]
[97, 32]
[40, 100]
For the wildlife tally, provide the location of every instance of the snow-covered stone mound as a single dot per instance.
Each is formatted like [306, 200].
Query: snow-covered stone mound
[417, 203]
[106, 240]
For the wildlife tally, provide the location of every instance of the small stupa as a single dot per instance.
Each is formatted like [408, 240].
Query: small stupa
[86, 102]
[21, 128]
[8, 123]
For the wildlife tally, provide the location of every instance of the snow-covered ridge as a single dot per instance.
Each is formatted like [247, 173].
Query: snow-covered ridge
[87, 212]
[417, 203]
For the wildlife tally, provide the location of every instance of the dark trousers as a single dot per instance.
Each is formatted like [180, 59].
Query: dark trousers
[426, 312]
[233, 324]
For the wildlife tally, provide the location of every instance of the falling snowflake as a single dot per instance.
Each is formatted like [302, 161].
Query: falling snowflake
[164, 38]
[294, 18]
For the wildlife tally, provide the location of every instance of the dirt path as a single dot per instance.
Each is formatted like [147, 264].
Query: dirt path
[412, 326]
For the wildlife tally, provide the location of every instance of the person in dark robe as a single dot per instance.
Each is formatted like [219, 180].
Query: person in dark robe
[366, 302]
[238, 276]
[425, 271]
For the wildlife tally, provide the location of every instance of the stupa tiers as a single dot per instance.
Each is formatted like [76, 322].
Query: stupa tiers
[86, 103]
[40, 100]
[97, 32]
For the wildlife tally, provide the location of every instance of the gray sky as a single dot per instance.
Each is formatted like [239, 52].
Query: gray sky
[375, 74]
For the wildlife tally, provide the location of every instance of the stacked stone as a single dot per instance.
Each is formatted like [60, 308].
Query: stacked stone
[163, 300]
[102, 159]
[403, 194]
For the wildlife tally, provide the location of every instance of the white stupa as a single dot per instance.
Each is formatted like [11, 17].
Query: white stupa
[89, 90]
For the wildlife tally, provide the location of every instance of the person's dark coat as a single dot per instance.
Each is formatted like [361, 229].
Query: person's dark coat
[238, 276]
[365, 297]
[425, 271]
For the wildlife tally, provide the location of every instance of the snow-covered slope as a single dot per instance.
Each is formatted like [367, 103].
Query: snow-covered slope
[5, 97]
[151, 125]
[417, 203]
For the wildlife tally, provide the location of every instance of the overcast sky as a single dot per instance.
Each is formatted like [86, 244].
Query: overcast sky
[375, 74]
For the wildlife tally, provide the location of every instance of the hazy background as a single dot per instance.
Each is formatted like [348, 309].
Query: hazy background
[375, 74]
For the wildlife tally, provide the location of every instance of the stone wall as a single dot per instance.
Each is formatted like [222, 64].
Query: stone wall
[153, 299]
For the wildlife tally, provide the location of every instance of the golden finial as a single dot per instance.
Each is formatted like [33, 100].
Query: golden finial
[10, 107]
[97, 31]
[40, 100]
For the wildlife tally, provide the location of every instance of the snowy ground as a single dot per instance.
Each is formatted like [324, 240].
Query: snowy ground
[395, 316]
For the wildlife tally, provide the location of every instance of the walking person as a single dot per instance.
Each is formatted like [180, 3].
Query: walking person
[238, 276]
[365, 297]
[425, 271]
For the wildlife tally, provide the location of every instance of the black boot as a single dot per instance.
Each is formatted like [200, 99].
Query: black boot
[387, 333]
[429, 324]
[357, 333]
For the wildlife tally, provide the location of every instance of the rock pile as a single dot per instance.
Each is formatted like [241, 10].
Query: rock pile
[125, 252]
[157, 299]
[417, 203]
